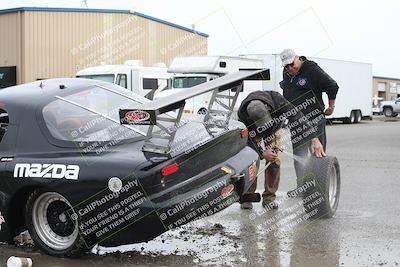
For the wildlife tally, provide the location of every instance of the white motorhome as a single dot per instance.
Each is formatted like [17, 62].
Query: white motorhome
[354, 99]
[191, 71]
[132, 75]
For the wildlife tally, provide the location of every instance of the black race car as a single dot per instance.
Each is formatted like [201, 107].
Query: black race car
[85, 162]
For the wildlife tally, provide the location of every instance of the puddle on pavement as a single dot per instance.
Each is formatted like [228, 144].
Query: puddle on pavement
[208, 242]
[232, 238]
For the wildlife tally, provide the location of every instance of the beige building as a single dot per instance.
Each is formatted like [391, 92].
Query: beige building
[42, 43]
[384, 88]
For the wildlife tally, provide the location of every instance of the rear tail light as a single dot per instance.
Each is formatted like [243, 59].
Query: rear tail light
[244, 133]
[171, 169]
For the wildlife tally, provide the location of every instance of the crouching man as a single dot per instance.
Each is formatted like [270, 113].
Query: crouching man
[264, 113]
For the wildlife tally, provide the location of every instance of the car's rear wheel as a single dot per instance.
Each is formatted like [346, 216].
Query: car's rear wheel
[48, 218]
[322, 198]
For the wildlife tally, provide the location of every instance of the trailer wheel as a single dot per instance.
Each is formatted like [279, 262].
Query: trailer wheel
[351, 119]
[388, 111]
[50, 226]
[358, 116]
[322, 196]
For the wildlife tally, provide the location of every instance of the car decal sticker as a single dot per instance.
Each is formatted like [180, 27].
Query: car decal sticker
[55, 171]
[136, 116]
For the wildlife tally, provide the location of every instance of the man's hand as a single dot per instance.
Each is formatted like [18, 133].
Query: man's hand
[317, 148]
[329, 110]
[270, 155]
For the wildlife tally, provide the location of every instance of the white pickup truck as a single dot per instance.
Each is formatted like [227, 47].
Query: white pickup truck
[391, 108]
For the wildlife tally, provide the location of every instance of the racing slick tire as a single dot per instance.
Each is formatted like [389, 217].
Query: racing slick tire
[321, 199]
[50, 225]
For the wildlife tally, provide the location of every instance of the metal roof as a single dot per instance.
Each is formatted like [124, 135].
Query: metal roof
[385, 78]
[90, 10]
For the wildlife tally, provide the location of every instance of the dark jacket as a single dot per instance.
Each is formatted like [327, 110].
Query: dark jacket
[309, 82]
[280, 110]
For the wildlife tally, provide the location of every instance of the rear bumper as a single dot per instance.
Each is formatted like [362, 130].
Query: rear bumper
[165, 213]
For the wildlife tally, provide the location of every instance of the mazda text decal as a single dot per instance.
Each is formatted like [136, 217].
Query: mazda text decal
[55, 171]
[1, 220]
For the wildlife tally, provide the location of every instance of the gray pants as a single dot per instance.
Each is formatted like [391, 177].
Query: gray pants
[303, 152]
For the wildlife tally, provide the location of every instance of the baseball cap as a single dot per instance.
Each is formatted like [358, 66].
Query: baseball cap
[287, 56]
[258, 112]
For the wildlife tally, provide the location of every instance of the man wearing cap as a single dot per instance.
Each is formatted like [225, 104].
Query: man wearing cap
[264, 113]
[304, 82]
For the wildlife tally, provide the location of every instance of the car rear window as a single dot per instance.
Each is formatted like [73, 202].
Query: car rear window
[92, 115]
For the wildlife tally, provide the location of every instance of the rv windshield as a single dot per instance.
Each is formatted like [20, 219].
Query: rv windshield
[187, 82]
[100, 77]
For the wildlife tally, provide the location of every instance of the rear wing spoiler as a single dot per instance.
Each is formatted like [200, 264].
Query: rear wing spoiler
[219, 112]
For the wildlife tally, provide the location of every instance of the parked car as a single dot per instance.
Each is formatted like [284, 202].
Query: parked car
[391, 108]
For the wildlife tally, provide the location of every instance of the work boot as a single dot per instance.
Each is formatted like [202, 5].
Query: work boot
[269, 204]
[246, 206]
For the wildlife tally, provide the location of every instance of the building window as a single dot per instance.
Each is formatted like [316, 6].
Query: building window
[382, 87]
[8, 76]
[392, 88]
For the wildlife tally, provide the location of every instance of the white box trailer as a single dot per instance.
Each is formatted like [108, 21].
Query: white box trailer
[191, 71]
[354, 99]
[132, 75]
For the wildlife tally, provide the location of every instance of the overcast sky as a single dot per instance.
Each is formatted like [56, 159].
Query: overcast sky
[355, 30]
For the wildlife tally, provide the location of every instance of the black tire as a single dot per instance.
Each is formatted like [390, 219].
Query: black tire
[395, 114]
[351, 119]
[320, 200]
[358, 116]
[388, 112]
[59, 223]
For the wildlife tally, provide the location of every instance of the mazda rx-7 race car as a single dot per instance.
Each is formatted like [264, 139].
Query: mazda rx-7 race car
[85, 162]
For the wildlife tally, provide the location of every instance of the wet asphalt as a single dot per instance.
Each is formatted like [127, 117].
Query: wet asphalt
[364, 232]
